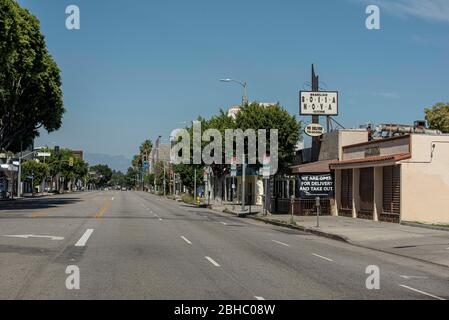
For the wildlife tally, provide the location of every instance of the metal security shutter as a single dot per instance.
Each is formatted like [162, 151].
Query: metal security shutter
[366, 189]
[392, 190]
[346, 189]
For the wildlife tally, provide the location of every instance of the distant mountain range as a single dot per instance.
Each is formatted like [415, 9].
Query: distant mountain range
[118, 163]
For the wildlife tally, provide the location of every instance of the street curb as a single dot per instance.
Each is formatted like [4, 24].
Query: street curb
[334, 237]
[301, 228]
[290, 226]
[424, 226]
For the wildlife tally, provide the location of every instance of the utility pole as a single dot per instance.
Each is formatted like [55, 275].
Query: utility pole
[165, 192]
[174, 183]
[194, 187]
[243, 183]
[315, 119]
[244, 85]
[19, 178]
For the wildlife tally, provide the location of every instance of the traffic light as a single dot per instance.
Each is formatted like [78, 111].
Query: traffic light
[57, 151]
[71, 162]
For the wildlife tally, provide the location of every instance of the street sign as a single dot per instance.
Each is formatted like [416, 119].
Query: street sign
[316, 185]
[44, 154]
[320, 103]
[234, 166]
[314, 130]
[266, 168]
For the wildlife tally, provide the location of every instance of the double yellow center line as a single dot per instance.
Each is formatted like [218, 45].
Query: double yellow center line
[43, 213]
[103, 210]
[98, 215]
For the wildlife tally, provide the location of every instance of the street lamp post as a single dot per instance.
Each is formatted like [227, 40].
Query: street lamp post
[19, 178]
[164, 181]
[244, 102]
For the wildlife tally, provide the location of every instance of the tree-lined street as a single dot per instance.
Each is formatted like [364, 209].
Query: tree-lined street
[134, 245]
[197, 151]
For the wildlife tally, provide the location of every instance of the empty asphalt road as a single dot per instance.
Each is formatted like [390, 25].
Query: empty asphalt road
[133, 245]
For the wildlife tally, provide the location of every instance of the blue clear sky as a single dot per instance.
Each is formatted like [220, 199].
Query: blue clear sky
[139, 68]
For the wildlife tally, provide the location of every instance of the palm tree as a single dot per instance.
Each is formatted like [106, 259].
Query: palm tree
[145, 149]
[137, 160]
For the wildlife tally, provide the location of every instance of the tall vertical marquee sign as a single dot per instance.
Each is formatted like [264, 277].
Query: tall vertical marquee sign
[319, 103]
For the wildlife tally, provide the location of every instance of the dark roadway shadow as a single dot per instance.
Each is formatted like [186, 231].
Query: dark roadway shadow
[43, 203]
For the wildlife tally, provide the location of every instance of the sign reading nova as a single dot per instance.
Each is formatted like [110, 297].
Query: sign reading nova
[316, 185]
[322, 103]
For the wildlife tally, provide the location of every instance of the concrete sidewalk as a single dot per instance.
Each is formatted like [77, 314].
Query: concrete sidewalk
[419, 243]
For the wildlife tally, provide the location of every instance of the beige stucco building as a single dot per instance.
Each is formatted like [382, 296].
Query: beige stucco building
[404, 178]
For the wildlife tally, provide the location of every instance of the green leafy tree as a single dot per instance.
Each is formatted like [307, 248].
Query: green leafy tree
[187, 174]
[59, 165]
[159, 172]
[149, 179]
[117, 179]
[103, 174]
[30, 83]
[130, 178]
[39, 171]
[438, 117]
[255, 116]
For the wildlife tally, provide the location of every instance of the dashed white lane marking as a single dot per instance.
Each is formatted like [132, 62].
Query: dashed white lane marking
[317, 255]
[83, 240]
[224, 223]
[422, 292]
[412, 277]
[259, 298]
[112, 198]
[186, 240]
[26, 236]
[212, 261]
[281, 243]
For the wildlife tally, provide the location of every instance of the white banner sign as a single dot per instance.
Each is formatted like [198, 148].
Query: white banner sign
[324, 103]
[44, 154]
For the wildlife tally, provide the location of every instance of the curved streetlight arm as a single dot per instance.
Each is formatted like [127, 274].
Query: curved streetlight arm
[244, 84]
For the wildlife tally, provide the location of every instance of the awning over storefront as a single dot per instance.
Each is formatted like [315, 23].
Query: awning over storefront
[313, 167]
[369, 161]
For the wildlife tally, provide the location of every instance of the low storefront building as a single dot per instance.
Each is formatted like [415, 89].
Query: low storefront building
[331, 150]
[404, 178]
